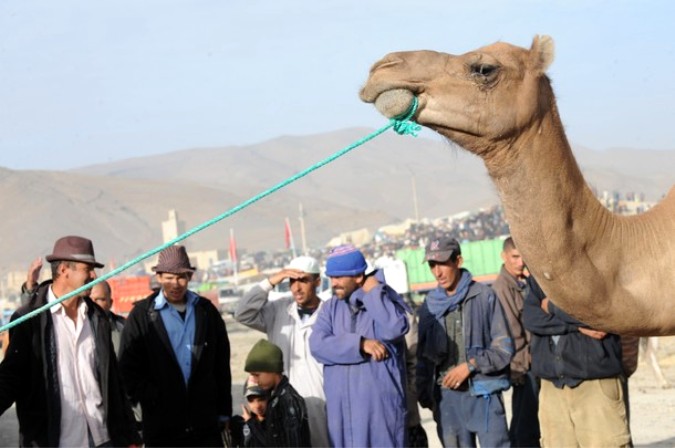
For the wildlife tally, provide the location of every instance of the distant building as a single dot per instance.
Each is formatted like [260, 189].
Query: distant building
[358, 238]
[172, 227]
[204, 259]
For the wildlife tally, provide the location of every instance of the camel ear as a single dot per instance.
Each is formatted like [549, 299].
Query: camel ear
[541, 53]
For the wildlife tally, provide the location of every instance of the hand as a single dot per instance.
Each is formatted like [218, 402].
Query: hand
[456, 376]
[374, 348]
[595, 334]
[544, 304]
[284, 274]
[245, 413]
[33, 273]
[370, 283]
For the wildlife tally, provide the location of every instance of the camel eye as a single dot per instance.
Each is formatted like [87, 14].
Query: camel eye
[484, 73]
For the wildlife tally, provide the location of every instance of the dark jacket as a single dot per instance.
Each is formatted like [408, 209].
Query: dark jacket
[286, 422]
[286, 418]
[173, 413]
[486, 338]
[29, 377]
[575, 357]
[116, 327]
[250, 434]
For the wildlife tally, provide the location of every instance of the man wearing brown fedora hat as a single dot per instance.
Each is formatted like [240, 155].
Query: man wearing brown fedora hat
[60, 367]
[175, 360]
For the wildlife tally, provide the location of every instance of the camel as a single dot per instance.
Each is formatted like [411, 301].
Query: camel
[614, 273]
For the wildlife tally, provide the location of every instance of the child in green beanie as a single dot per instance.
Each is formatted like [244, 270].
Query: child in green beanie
[286, 421]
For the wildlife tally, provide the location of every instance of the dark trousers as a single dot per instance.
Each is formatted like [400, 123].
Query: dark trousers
[524, 428]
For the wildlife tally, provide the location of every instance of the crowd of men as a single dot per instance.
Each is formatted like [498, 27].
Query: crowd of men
[477, 225]
[329, 373]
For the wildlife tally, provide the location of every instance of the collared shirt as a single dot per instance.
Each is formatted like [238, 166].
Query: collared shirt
[181, 330]
[81, 400]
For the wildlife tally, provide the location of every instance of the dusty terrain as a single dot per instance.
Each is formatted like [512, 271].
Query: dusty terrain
[652, 408]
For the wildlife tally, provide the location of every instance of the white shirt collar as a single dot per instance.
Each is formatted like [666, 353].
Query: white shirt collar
[51, 297]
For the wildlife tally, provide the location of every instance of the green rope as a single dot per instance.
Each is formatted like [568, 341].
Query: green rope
[401, 124]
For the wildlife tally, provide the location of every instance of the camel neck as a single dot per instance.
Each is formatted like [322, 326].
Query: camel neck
[590, 262]
[547, 203]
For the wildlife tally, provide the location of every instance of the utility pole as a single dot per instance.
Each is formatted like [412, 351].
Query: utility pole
[301, 218]
[414, 192]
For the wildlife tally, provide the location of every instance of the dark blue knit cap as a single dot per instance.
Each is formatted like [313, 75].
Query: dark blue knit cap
[345, 261]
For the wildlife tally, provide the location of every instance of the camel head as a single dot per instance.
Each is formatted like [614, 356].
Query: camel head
[611, 272]
[481, 100]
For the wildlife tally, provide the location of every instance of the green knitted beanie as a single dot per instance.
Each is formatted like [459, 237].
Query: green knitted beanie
[265, 357]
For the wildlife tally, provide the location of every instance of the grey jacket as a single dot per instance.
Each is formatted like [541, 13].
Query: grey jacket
[512, 296]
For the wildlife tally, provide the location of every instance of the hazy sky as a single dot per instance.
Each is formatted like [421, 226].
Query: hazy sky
[84, 82]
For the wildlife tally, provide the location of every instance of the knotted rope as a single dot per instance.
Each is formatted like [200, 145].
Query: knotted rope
[402, 124]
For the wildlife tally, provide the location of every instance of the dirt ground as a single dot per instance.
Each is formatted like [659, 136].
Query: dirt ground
[652, 408]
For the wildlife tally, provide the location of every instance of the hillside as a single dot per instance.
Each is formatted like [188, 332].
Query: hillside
[120, 205]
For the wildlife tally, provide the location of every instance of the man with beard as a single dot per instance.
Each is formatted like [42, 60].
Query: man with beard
[288, 323]
[359, 338]
[175, 360]
[60, 367]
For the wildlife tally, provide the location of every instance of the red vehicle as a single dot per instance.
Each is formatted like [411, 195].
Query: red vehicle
[127, 290]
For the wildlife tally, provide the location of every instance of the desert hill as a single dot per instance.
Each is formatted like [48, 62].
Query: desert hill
[120, 205]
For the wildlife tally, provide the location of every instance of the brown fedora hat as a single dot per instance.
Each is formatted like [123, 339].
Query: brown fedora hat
[74, 248]
[173, 260]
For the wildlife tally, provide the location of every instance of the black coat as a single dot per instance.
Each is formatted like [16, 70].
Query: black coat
[173, 413]
[29, 377]
[287, 423]
[575, 357]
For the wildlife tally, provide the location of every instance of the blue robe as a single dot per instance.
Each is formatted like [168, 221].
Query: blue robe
[366, 399]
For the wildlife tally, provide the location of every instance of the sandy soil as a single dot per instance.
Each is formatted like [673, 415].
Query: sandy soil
[652, 408]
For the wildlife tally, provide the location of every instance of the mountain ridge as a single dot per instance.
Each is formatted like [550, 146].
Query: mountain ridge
[120, 204]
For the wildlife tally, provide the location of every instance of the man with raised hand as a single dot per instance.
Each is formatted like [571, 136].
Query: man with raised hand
[359, 337]
[288, 323]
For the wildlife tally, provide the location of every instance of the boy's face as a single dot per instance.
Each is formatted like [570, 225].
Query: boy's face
[257, 405]
[513, 262]
[266, 380]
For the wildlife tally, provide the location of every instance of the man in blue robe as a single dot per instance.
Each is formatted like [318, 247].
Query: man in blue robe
[359, 338]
